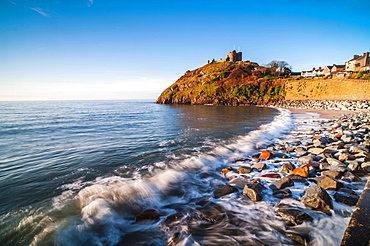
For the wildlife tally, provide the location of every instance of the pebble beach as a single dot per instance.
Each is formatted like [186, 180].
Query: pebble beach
[318, 172]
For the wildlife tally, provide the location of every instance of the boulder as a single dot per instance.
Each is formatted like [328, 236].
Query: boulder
[334, 174]
[344, 156]
[253, 191]
[316, 197]
[292, 214]
[313, 164]
[301, 171]
[224, 190]
[330, 183]
[335, 162]
[346, 196]
[259, 166]
[297, 178]
[353, 165]
[316, 151]
[173, 218]
[266, 155]
[211, 212]
[244, 170]
[297, 238]
[149, 214]
[284, 193]
[282, 183]
[350, 177]
[286, 167]
[226, 170]
[305, 158]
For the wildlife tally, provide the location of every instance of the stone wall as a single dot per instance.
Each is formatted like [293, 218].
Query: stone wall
[328, 89]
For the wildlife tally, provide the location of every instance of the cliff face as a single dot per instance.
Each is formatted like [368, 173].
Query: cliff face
[224, 83]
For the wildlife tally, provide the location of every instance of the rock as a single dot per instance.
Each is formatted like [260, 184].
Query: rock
[286, 167]
[353, 165]
[271, 175]
[316, 151]
[173, 218]
[358, 149]
[266, 155]
[282, 183]
[253, 191]
[211, 212]
[226, 170]
[346, 156]
[297, 238]
[292, 214]
[284, 193]
[313, 164]
[149, 214]
[334, 174]
[335, 162]
[224, 190]
[301, 171]
[244, 170]
[259, 166]
[297, 178]
[330, 183]
[316, 197]
[350, 177]
[306, 158]
[281, 155]
[346, 196]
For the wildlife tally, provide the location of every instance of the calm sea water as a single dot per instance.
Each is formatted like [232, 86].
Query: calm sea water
[78, 172]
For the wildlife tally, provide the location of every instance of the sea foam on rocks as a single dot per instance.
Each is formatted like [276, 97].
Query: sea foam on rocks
[322, 174]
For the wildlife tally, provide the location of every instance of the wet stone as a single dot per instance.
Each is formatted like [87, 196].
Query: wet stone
[334, 174]
[286, 167]
[316, 197]
[149, 214]
[266, 155]
[292, 214]
[244, 170]
[282, 183]
[346, 196]
[253, 191]
[301, 171]
[259, 166]
[224, 190]
[284, 193]
[330, 183]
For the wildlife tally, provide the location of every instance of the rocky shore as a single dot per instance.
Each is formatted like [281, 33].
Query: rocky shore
[329, 163]
[312, 176]
[324, 104]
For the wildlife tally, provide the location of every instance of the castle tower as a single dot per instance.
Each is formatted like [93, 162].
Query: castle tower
[234, 56]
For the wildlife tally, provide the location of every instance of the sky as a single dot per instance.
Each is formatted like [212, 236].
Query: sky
[118, 49]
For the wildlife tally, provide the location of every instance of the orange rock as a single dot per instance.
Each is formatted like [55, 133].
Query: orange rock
[266, 155]
[337, 136]
[301, 171]
[271, 175]
[226, 170]
[317, 136]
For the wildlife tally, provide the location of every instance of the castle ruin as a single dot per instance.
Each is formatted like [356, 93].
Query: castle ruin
[232, 56]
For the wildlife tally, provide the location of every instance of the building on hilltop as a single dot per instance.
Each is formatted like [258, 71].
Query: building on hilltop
[334, 69]
[232, 56]
[358, 63]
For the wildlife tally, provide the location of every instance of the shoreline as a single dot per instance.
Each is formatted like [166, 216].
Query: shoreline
[322, 157]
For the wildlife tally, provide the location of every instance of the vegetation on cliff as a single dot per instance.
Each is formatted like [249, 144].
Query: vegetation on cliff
[227, 83]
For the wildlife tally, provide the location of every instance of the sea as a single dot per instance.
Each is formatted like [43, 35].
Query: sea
[79, 172]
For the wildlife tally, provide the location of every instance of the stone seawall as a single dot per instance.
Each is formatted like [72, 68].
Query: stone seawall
[324, 104]
[327, 89]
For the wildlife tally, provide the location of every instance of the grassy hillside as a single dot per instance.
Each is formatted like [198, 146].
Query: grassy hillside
[225, 83]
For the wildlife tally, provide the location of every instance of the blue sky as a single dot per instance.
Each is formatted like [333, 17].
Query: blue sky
[109, 49]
